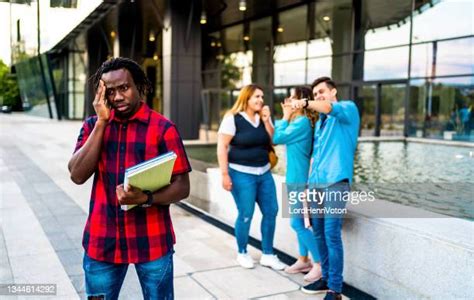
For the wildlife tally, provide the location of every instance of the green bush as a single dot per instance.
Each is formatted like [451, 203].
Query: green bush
[9, 92]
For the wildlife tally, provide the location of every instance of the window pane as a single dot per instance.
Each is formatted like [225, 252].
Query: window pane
[421, 60]
[452, 57]
[60, 80]
[289, 73]
[233, 39]
[455, 57]
[289, 52]
[237, 69]
[212, 55]
[392, 111]
[49, 84]
[387, 23]
[367, 110]
[318, 67]
[259, 44]
[445, 19]
[292, 25]
[385, 37]
[31, 87]
[386, 64]
[223, 66]
[215, 104]
[319, 47]
[333, 20]
[279, 95]
[442, 108]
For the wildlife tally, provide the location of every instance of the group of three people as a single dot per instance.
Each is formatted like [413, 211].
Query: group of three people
[125, 132]
[320, 155]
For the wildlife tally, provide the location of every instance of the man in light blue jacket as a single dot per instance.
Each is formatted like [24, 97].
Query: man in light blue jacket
[335, 141]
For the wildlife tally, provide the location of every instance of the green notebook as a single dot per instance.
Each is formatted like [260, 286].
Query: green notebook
[152, 174]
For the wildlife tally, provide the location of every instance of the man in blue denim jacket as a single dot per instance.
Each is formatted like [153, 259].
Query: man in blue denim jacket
[335, 141]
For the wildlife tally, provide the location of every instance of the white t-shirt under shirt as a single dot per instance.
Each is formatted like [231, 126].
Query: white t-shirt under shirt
[228, 127]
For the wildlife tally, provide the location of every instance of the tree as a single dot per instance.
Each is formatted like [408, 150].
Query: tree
[230, 74]
[9, 92]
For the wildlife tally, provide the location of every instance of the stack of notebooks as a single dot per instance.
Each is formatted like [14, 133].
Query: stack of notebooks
[152, 174]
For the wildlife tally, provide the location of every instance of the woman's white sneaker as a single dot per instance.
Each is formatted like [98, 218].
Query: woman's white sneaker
[272, 261]
[245, 260]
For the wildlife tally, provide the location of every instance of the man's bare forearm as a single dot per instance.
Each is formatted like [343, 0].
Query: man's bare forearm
[84, 162]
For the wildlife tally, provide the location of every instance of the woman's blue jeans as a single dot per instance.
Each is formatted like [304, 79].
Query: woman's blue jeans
[248, 189]
[306, 240]
[105, 279]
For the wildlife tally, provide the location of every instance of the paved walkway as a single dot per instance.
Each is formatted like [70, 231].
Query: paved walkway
[42, 215]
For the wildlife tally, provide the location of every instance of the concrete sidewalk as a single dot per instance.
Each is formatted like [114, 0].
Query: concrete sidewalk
[42, 216]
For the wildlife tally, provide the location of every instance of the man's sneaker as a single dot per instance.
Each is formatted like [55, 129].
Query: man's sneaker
[315, 287]
[332, 296]
[245, 260]
[272, 261]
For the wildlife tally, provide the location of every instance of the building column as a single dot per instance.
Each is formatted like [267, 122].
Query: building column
[97, 52]
[358, 62]
[182, 66]
[342, 26]
[262, 61]
[129, 25]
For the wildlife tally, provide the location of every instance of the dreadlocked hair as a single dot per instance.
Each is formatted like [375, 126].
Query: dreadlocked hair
[142, 83]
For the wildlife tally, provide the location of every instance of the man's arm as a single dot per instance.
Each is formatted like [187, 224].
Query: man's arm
[345, 111]
[321, 106]
[84, 162]
[176, 191]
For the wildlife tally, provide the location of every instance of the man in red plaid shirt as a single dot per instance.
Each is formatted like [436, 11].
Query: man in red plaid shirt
[125, 132]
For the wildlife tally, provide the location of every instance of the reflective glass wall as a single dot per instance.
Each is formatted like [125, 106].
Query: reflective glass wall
[36, 86]
[442, 81]
[77, 78]
[396, 59]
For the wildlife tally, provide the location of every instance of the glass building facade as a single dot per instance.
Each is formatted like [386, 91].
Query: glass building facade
[52, 84]
[408, 64]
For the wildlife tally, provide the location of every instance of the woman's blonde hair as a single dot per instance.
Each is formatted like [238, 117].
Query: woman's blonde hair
[304, 92]
[242, 101]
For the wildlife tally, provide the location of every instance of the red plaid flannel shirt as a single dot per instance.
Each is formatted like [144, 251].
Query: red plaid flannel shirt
[140, 234]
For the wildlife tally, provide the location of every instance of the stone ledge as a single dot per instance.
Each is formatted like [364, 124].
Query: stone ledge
[385, 257]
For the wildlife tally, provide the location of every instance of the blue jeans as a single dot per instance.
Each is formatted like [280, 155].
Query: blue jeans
[248, 189]
[305, 236]
[327, 231]
[105, 279]
[306, 241]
